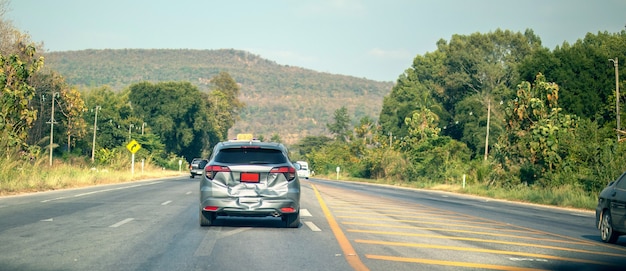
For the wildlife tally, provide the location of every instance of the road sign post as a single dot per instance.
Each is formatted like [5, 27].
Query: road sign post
[133, 146]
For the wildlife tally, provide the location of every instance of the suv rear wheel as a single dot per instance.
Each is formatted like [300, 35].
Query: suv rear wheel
[292, 220]
[207, 218]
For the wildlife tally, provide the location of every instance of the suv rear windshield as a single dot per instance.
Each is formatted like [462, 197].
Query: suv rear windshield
[250, 156]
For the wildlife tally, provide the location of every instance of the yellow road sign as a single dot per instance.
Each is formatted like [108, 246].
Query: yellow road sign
[133, 146]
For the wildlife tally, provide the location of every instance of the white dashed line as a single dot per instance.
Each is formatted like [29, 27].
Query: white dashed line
[166, 203]
[121, 223]
[312, 226]
[100, 191]
[305, 212]
[188, 193]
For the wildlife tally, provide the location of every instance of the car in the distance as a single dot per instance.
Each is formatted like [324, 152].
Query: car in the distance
[196, 167]
[611, 210]
[303, 170]
[250, 178]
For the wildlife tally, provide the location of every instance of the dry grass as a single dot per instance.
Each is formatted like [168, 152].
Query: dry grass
[566, 196]
[19, 177]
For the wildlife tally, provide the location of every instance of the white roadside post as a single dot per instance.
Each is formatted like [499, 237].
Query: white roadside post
[463, 181]
[180, 164]
[338, 169]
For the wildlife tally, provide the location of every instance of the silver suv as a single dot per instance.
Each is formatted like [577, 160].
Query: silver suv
[250, 178]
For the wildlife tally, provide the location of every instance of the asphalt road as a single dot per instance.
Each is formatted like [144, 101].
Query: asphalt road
[153, 225]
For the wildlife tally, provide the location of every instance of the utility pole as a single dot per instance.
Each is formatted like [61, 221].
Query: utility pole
[487, 136]
[616, 64]
[95, 128]
[129, 131]
[52, 125]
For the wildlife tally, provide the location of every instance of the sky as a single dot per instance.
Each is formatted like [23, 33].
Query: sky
[373, 39]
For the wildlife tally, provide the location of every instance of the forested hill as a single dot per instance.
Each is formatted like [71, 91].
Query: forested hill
[291, 102]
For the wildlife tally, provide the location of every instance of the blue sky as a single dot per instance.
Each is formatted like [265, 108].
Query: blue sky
[374, 39]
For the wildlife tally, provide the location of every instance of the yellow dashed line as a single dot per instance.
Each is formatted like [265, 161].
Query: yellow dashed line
[473, 232]
[412, 221]
[488, 241]
[438, 223]
[492, 251]
[450, 263]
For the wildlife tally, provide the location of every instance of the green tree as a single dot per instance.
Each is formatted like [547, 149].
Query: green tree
[16, 114]
[365, 129]
[584, 74]
[310, 144]
[340, 125]
[114, 112]
[69, 109]
[178, 113]
[484, 68]
[276, 138]
[224, 103]
[535, 127]
[417, 88]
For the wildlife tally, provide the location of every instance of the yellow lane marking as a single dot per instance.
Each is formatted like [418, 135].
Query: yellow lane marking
[412, 221]
[472, 232]
[450, 263]
[387, 207]
[492, 251]
[489, 241]
[344, 243]
[439, 223]
[397, 213]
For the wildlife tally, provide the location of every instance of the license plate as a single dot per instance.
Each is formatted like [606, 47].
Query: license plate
[248, 177]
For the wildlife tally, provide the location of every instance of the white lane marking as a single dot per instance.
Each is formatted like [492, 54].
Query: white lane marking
[100, 191]
[528, 260]
[47, 220]
[166, 203]
[305, 212]
[188, 193]
[121, 223]
[312, 226]
[210, 238]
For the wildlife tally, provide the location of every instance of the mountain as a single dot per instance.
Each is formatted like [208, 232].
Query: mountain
[289, 101]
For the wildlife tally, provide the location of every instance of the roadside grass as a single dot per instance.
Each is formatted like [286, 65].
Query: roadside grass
[18, 177]
[565, 196]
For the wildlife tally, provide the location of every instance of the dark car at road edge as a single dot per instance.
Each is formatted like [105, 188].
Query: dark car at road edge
[611, 210]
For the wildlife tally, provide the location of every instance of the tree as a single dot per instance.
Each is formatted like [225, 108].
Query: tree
[340, 126]
[415, 89]
[224, 103]
[275, 138]
[113, 122]
[16, 114]
[310, 144]
[584, 74]
[484, 66]
[365, 129]
[178, 114]
[69, 110]
[535, 127]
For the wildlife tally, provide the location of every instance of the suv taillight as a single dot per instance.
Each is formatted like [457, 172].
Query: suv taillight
[289, 172]
[211, 170]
